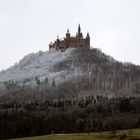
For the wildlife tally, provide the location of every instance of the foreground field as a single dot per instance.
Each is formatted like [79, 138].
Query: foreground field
[65, 137]
[89, 136]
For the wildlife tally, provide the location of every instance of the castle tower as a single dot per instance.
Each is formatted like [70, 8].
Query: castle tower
[80, 35]
[68, 34]
[88, 40]
[79, 29]
[57, 42]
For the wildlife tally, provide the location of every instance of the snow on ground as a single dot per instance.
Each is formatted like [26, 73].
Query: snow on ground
[37, 65]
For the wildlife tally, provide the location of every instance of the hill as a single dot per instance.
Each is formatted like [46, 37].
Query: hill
[79, 90]
[83, 71]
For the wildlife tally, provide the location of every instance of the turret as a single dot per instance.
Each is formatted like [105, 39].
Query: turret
[88, 40]
[79, 29]
[79, 32]
[88, 37]
[58, 40]
[67, 34]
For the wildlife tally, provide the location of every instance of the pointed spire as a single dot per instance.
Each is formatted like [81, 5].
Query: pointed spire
[68, 31]
[88, 35]
[79, 29]
[57, 36]
[68, 34]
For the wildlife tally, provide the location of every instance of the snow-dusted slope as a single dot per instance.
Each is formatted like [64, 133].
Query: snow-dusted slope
[76, 69]
[37, 65]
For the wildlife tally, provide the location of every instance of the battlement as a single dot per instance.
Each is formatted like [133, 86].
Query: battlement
[71, 41]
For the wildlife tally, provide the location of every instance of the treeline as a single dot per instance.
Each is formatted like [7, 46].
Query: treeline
[69, 115]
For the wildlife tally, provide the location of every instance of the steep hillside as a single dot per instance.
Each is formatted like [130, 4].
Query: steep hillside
[75, 71]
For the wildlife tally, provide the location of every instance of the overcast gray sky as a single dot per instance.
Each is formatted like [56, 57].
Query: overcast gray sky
[30, 25]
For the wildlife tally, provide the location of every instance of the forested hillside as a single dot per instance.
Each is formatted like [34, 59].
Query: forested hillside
[76, 72]
[79, 90]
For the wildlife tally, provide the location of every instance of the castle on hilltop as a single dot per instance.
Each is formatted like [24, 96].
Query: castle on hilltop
[71, 41]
